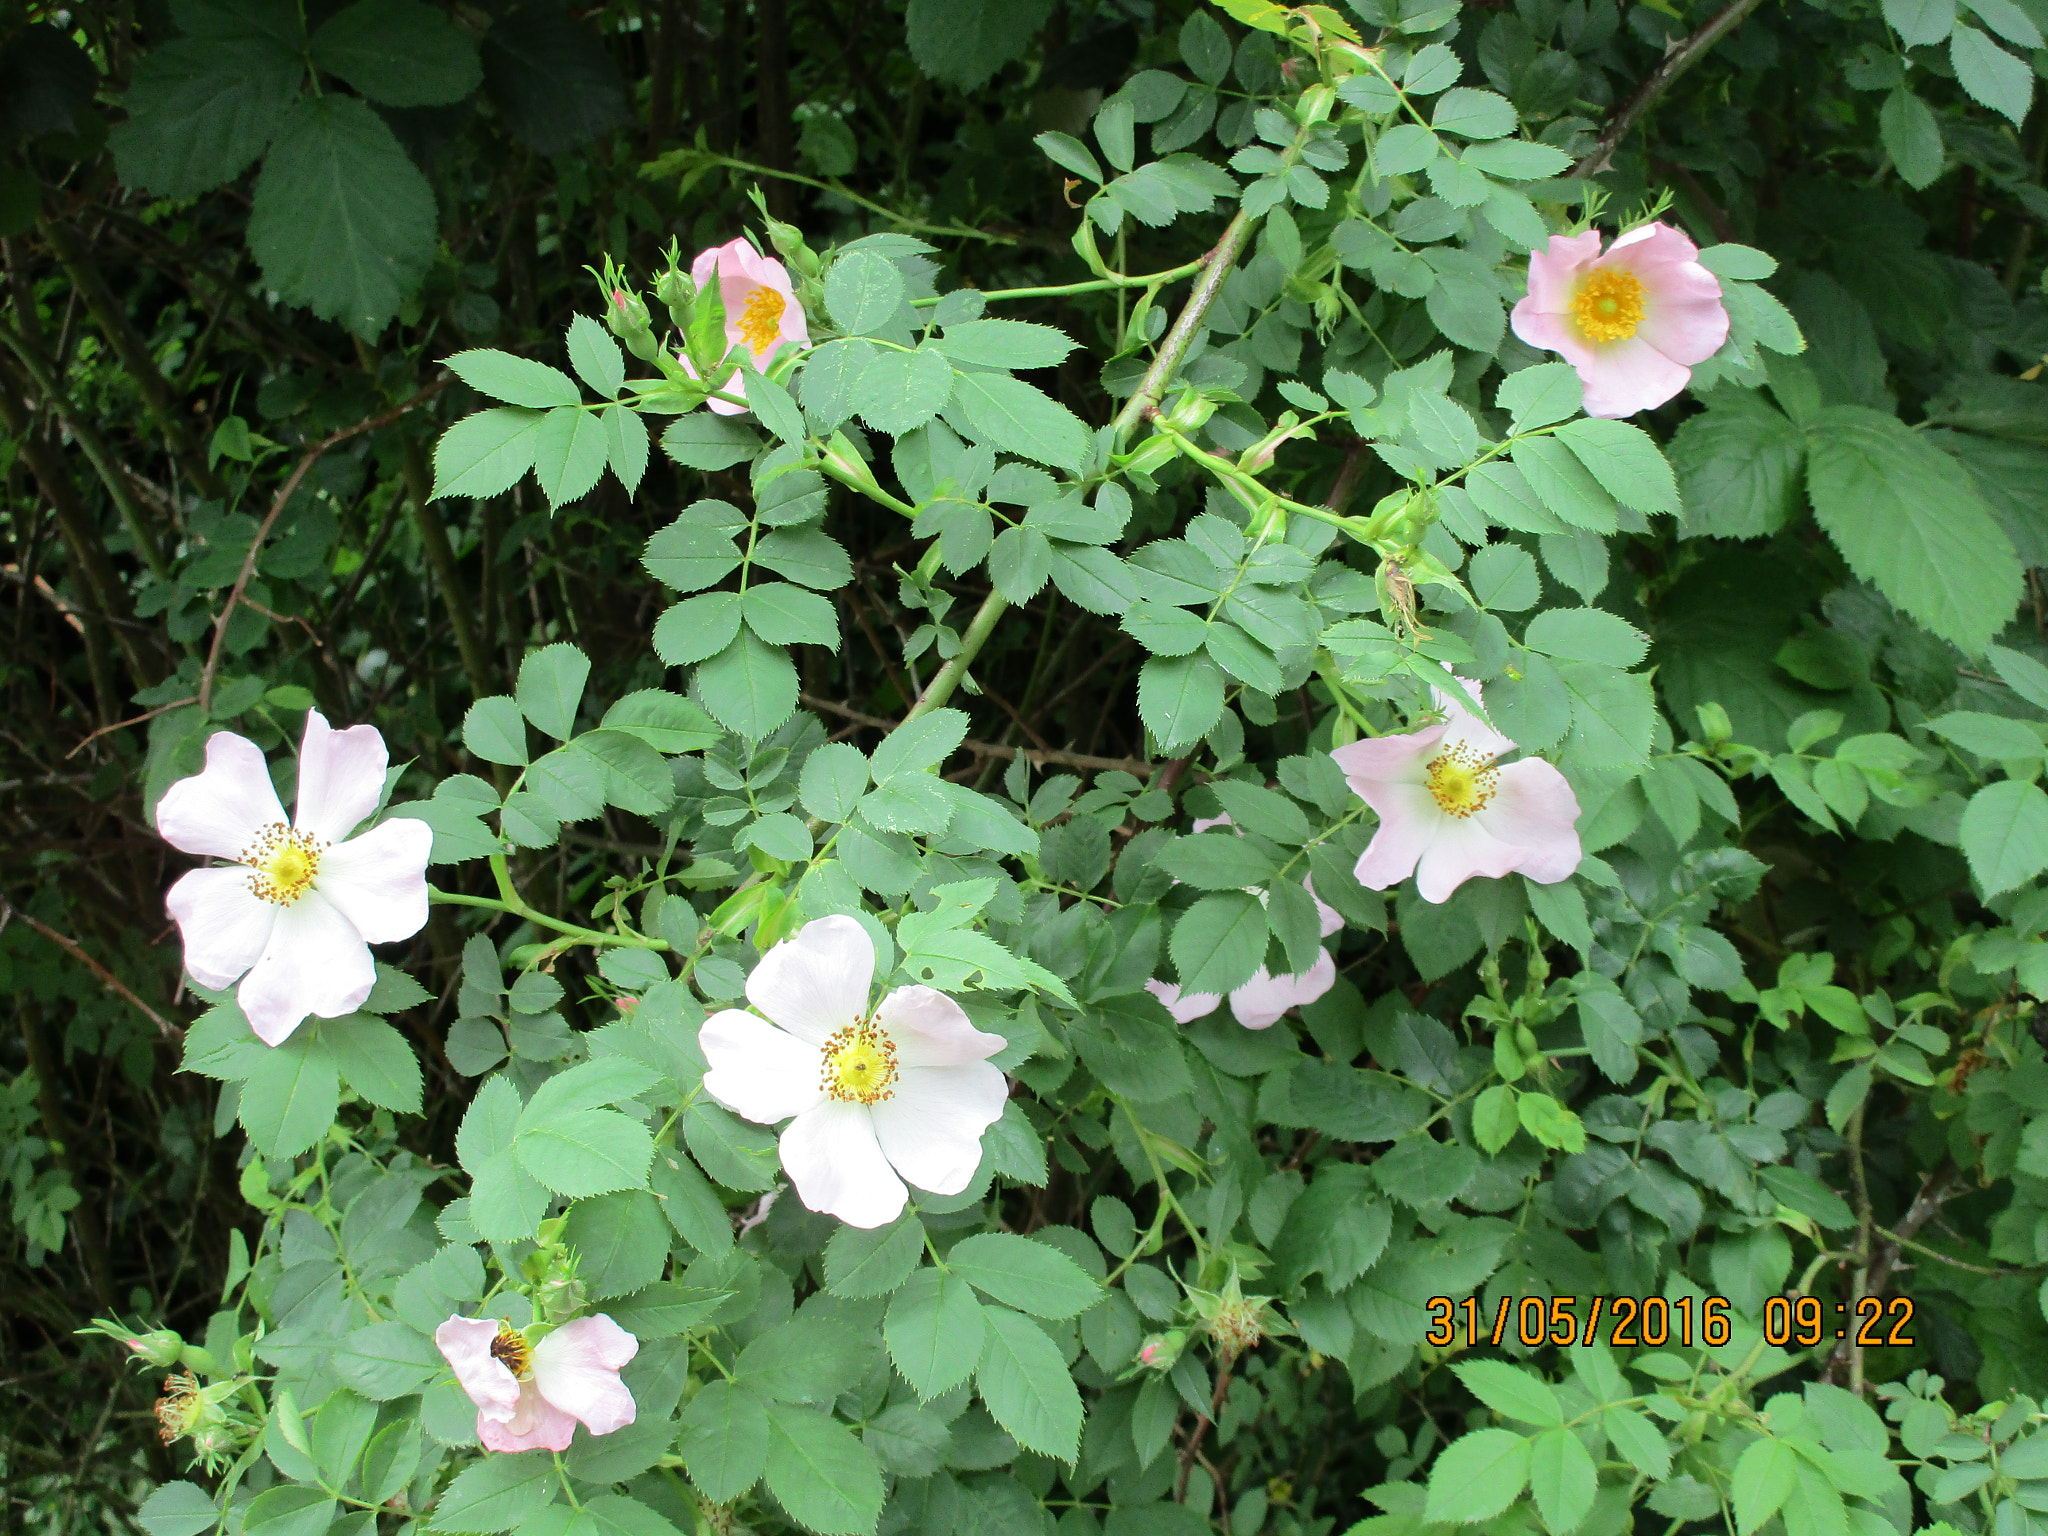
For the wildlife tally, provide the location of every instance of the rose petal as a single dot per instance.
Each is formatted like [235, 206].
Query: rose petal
[1461, 849]
[1534, 809]
[315, 963]
[220, 810]
[341, 779]
[1630, 376]
[379, 881]
[577, 1367]
[1185, 1007]
[1260, 1002]
[465, 1343]
[1409, 821]
[835, 1162]
[759, 1072]
[817, 981]
[931, 1030]
[931, 1127]
[538, 1425]
[1402, 758]
[224, 925]
[1556, 271]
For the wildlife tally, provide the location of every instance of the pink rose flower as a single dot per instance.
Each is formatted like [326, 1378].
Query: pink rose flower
[1632, 321]
[761, 311]
[1449, 810]
[529, 1396]
[302, 901]
[1260, 1002]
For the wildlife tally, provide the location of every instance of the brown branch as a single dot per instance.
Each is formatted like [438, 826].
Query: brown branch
[77, 951]
[122, 725]
[1202, 1423]
[1679, 58]
[1935, 1189]
[284, 496]
[1036, 758]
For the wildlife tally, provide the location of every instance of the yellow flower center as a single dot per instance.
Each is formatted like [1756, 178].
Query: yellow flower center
[512, 1351]
[860, 1064]
[1609, 305]
[282, 863]
[761, 319]
[1462, 781]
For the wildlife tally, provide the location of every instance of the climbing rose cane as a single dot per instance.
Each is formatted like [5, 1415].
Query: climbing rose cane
[1448, 810]
[904, 1088]
[761, 310]
[303, 901]
[1632, 321]
[1260, 1002]
[529, 1395]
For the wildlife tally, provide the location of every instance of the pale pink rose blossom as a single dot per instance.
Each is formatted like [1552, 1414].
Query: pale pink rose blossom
[1260, 1002]
[879, 1093]
[302, 902]
[529, 1396]
[761, 311]
[1633, 321]
[1450, 810]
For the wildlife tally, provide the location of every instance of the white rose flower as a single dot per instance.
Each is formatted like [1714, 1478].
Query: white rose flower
[879, 1095]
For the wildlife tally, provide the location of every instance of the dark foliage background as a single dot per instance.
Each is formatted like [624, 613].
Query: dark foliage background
[176, 339]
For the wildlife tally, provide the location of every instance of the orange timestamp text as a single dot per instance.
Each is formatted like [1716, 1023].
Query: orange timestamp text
[1653, 1322]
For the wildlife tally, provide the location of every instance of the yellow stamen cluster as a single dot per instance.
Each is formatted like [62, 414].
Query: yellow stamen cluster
[178, 1409]
[1462, 780]
[1609, 305]
[761, 319]
[860, 1064]
[511, 1350]
[282, 863]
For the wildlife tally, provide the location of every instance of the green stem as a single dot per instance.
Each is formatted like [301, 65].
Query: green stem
[956, 230]
[509, 901]
[1215, 268]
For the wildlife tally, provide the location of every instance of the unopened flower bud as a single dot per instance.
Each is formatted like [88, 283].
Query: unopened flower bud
[1154, 453]
[160, 1347]
[1162, 1351]
[1190, 411]
[626, 315]
[1315, 104]
[677, 293]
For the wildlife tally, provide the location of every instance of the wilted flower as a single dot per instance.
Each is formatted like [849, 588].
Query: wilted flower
[1632, 321]
[761, 311]
[302, 902]
[1449, 810]
[902, 1088]
[1234, 1321]
[529, 1393]
[186, 1410]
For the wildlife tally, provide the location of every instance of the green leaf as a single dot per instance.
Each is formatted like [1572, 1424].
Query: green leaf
[833, 779]
[805, 1360]
[1025, 1384]
[497, 1493]
[1069, 153]
[1477, 1477]
[963, 42]
[863, 1262]
[290, 1096]
[1997, 737]
[783, 614]
[934, 1331]
[586, 1152]
[177, 1509]
[1511, 1392]
[1494, 1118]
[374, 1060]
[1764, 1478]
[772, 403]
[569, 454]
[1920, 22]
[1738, 467]
[821, 1474]
[551, 686]
[1910, 525]
[401, 53]
[1564, 485]
[341, 220]
[1625, 460]
[1475, 114]
[2022, 674]
[918, 744]
[705, 440]
[1639, 1440]
[1586, 634]
[1516, 159]
[1992, 76]
[749, 687]
[1219, 942]
[1562, 1478]
[596, 357]
[1404, 149]
[1180, 697]
[386, 1360]
[863, 292]
[486, 453]
[688, 556]
[806, 555]
[724, 1440]
[1030, 1276]
[1536, 397]
[1216, 861]
[494, 730]
[625, 441]
[620, 1240]
[666, 721]
[901, 391]
[1911, 135]
[290, 1510]
[2004, 835]
[1012, 344]
[587, 1085]
[200, 110]
[1017, 418]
